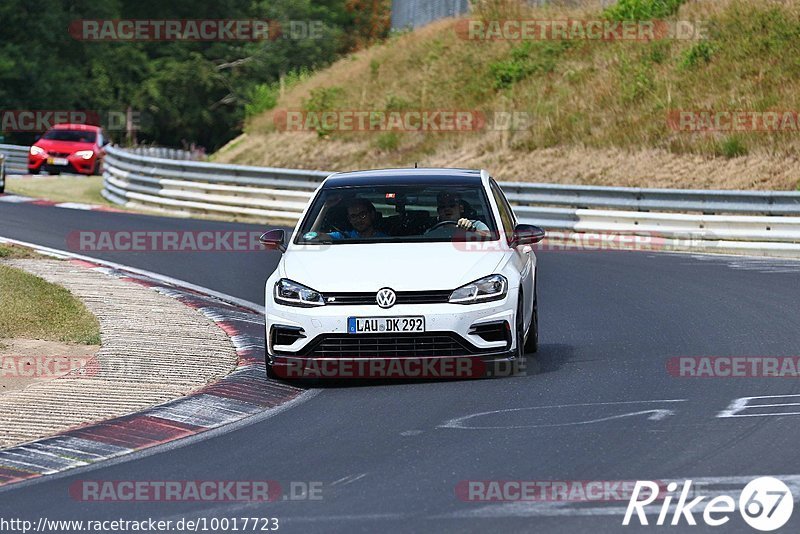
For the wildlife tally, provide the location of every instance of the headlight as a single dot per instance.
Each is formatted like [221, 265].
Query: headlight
[492, 287]
[294, 294]
[37, 151]
[84, 154]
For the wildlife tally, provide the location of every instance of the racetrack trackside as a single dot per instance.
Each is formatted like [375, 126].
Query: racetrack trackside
[242, 393]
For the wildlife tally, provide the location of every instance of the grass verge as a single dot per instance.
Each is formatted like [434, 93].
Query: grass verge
[585, 97]
[83, 189]
[33, 308]
[13, 251]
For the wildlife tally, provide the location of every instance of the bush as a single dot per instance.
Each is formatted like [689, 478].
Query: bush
[263, 97]
[732, 147]
[697, 54]
[642, 9]
[526, 59]
[388, 141]
[320, 100]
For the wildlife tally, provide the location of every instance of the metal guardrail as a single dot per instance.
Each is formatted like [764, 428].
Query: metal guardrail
[16, 158]
[759, 216]
[753, 217]
[168, 153]
[639, 199]
[207, 187]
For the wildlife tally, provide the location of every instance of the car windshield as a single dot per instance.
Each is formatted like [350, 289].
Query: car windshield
[391, 213]
[75, 136]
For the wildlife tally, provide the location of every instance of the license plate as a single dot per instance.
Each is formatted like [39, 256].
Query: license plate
[57, 161]
[369, 325]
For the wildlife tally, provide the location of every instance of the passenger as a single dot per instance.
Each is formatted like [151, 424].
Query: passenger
[362, 216]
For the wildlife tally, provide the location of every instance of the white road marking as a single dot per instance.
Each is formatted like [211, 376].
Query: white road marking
[75, 206]
[743, 403]
[657, 415]
[349, 479]
[15, 199]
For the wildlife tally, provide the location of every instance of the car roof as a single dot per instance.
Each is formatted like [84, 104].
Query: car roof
[68, 126]
[404, 176]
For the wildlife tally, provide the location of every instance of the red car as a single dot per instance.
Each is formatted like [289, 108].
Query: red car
[74, 148]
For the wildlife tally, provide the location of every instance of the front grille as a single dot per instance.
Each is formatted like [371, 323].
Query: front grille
[420, 345]
[58, 154]
[403, 297]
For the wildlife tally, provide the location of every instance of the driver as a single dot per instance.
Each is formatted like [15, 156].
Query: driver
[362, 216]
[450, 207]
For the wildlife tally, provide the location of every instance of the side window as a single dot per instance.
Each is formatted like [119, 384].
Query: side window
[506, 215]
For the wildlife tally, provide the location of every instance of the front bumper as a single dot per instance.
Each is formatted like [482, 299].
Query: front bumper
[313, 342]
[75, 165]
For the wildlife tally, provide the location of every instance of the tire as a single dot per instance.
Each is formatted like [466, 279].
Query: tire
[532, 343]
[270, 370]
[33, 171]
[97, 171]
[519, 331]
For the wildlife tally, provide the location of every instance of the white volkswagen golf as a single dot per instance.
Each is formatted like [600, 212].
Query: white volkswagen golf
[402, 273]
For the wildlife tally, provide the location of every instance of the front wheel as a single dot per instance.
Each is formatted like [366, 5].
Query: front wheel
[270, 370]
[532, 343]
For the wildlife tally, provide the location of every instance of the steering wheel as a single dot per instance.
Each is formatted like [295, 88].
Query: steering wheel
[443, 223]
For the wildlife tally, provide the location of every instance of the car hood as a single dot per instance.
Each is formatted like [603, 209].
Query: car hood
[401, 266]
[63, 146]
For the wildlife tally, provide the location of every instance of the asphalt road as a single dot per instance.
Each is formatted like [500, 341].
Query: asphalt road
[597, 403]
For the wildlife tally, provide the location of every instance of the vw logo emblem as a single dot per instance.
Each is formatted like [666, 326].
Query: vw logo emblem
[386, 298]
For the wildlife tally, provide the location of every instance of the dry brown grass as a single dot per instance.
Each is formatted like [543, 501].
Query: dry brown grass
[599, 110]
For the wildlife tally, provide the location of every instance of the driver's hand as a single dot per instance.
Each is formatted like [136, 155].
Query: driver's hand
[466, 224]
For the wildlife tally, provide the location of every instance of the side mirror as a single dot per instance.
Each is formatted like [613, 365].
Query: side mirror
[274, 240]
[526, 234]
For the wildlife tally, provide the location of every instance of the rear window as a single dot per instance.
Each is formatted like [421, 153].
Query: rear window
[74, 136]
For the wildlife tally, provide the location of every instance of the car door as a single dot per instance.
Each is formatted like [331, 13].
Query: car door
[524, 259]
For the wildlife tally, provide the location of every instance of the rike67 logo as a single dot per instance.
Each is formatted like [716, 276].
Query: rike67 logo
[766, 504]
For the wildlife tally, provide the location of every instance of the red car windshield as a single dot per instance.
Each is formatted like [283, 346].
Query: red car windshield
[74, 136]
